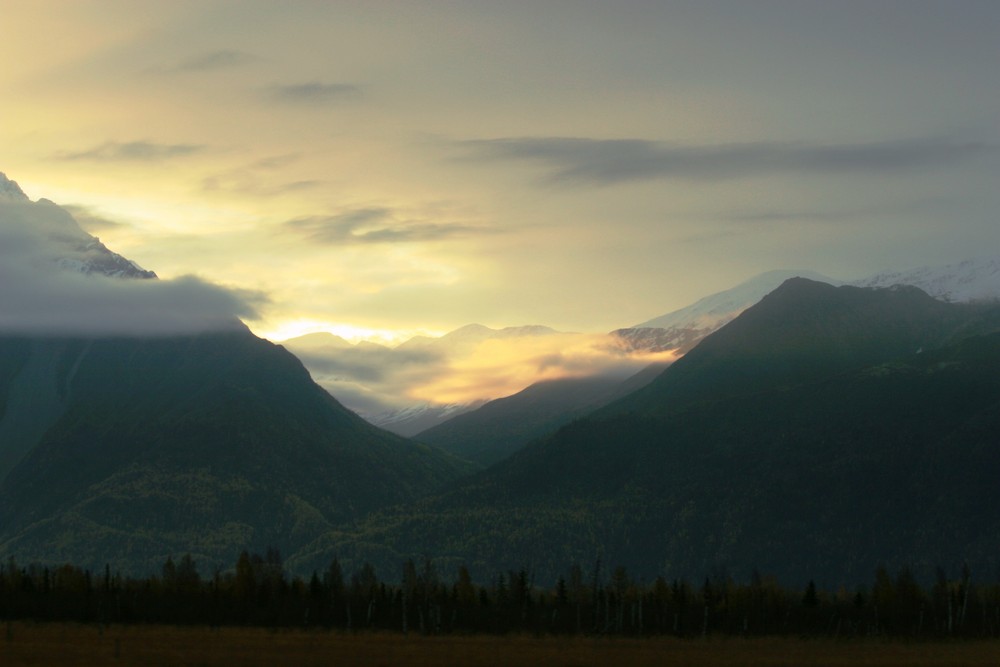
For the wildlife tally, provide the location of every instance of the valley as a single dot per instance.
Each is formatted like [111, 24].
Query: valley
[803, 428]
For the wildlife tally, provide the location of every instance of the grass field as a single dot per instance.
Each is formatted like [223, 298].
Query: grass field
[77, 645]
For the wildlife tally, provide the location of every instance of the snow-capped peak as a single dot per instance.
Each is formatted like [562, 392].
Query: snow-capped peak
[57, 237]
[712, 311]
[10, 190]
[682, 329]
[970, 280]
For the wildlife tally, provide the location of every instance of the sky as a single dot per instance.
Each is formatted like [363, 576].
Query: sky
[384, 169]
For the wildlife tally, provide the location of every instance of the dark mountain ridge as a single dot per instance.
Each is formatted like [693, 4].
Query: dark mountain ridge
[828, 328]
[127, 449]
[823, 432]
[206, 444]
[499, 428]
[804, 330]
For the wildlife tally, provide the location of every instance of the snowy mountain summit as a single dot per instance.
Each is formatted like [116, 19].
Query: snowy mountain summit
[715, 310]
[682, 329]
[10, 191]
[56, 236]
[971, 280]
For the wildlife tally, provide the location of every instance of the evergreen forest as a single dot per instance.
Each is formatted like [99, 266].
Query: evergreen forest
[592, 601]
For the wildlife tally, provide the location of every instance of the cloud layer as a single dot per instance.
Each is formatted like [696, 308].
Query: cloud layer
[213, 60]
[315, 92]
[586, 161]
[375, 225]
[49, 285]
[469, 365]
[132, 151]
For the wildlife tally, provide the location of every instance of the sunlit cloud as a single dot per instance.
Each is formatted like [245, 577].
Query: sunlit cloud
[263, 177]
[376, 225]
[501, 367]
[246, 184]
[93, 222]
[468, 366]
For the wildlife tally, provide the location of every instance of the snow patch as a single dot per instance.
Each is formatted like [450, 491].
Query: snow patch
[970, 280]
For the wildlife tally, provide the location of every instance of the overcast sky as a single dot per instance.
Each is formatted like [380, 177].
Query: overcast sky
[383, 167]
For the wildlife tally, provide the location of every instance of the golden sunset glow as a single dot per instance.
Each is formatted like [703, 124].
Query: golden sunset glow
[352, 334]
[503, 367]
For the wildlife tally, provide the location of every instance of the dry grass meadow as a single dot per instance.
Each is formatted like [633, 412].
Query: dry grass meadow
[71, 645]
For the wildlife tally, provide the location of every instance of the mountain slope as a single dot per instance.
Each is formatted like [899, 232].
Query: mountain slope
[503, 426]
[802, 331]
[683, 329]
[206, 444]
[124, 448]
[378, 382]
[864, 433]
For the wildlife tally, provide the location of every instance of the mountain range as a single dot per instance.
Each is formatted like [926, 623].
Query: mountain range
[805, 430]
[374, 379]
[358, 372]
[823, 432]
[500, 427]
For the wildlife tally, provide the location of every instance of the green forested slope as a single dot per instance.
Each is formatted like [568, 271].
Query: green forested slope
[207, 444]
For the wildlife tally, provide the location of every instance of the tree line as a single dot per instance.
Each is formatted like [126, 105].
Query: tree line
[595, 601]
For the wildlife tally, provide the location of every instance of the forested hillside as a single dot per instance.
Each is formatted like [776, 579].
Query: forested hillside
[825, 431]
[204, 444]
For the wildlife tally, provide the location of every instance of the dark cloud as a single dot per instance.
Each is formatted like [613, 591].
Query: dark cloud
[367, 377]
[132, 151]
[763, 217]
[214, 60]
[610, 161]
[315, 92]
[909, 208]
[75, 304]
[50, 285]
[375, 225]
[365, 364]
